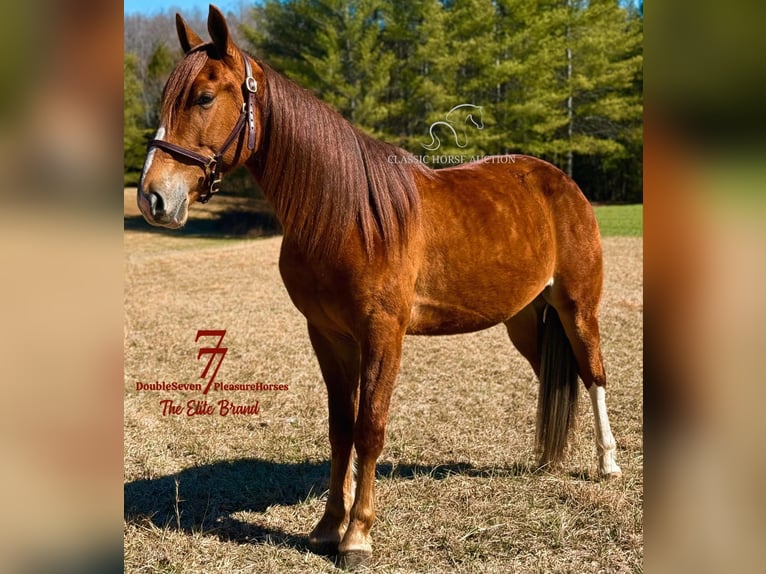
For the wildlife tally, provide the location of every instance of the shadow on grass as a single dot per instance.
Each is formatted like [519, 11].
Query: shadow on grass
[209, 495]
[225, 224]
[386, 470]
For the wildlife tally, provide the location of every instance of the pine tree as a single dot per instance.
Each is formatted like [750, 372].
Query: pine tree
[593, 51]
[603, 62]
[466, 78]
[522, 76]
[415, 33]
[572, 81]
[528, 69]
[335, 48]
[284, 35]
[560, 79]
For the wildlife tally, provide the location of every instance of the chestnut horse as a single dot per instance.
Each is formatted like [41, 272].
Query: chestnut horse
[377, 246]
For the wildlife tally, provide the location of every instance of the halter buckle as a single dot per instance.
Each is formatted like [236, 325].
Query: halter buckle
[212, 189]
[215, 185]
[251, 84]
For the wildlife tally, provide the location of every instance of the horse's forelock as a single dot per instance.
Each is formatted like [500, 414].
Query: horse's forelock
[180, 82]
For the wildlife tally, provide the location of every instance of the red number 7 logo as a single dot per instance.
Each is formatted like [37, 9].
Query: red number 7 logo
[212, 351]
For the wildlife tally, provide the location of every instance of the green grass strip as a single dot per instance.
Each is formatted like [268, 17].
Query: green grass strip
[620, 220]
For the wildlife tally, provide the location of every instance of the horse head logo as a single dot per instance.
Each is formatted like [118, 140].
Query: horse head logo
[455, 122]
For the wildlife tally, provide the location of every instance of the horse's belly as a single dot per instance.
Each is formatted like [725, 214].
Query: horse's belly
[435, 318]
[466, 310]
[460, 295]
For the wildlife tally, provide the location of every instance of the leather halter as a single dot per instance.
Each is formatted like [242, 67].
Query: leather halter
[213, 164]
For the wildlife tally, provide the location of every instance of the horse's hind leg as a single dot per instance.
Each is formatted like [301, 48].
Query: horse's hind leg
[524, 330]
[339, 360]
[579, 318]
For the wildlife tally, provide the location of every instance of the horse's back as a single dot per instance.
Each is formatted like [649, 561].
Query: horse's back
[492, 232]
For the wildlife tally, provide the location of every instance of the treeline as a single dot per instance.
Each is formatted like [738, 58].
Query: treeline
[560, 79]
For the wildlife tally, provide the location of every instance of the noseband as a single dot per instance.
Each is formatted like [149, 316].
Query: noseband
[213, 164]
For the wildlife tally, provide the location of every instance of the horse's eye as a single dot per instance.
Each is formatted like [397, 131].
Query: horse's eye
[204, 100]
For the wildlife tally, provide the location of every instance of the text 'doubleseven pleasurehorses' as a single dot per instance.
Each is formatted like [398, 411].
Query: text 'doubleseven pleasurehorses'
[377, 246]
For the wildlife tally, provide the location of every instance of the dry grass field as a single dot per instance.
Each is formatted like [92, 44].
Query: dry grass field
[456, 491]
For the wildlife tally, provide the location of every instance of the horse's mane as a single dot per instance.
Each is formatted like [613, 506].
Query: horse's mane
[326, 176]
[323, 174]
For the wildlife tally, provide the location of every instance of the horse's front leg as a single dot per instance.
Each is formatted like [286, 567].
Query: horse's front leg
[339, 360]
[381, 353]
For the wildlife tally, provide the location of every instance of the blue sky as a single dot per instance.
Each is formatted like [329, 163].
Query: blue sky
[153, 6]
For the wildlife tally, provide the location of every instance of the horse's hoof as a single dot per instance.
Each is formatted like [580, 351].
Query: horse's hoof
[353, 559]
[323, 548]
[611, 472]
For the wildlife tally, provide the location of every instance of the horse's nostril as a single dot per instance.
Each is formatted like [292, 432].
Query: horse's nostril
[156, 203]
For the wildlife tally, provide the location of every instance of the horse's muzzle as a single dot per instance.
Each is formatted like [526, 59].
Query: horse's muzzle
[158, 211]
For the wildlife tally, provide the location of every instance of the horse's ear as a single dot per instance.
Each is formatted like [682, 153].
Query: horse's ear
[219, 32]
[188, 37]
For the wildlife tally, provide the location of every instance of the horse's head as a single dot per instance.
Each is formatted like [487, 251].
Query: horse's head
[210, 122]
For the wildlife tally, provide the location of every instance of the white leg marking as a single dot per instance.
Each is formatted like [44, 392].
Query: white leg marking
[605, 443]
[351, 495]
[150, 156]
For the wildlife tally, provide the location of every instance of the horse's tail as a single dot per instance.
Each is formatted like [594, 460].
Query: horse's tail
[557, 400]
